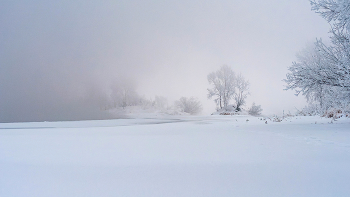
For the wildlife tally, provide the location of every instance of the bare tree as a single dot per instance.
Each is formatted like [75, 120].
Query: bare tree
[226, 85]
[124, 94]
[223, 86]
[241, 93]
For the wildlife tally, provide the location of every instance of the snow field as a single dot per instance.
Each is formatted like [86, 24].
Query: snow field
[176, 156]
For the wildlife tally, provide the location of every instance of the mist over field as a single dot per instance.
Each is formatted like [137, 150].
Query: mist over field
[61, 60]
[174, 98]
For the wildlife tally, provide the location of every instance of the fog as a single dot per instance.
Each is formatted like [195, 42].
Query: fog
[59, 59]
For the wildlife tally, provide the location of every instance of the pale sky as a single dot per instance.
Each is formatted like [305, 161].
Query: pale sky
[58, 58]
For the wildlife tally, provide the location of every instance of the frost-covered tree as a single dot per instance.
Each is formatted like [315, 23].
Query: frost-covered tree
[226, 85]
[334, 11]
[189, 105]
[241, 93]
[223, 86]
[302, 76]
[328, 65]
[323, 75]
[335, 69]
[124, 95]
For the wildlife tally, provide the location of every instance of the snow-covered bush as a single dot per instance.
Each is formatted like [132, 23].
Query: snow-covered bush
[189, 105]
[255, 110]
[333, 113]
[230, 110]
[311, 109]
[337, 113]
[160, 102]
[277, 119]
[145, 103]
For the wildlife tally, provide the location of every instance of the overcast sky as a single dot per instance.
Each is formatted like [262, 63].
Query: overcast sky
[58, 58]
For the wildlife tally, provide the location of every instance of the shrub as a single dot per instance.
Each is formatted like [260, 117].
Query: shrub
[255, 110]
[189, 105]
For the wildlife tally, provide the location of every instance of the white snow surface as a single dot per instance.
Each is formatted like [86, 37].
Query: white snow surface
[176, 156]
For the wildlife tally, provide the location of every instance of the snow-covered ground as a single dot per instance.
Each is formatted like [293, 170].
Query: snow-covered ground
[176, 156]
